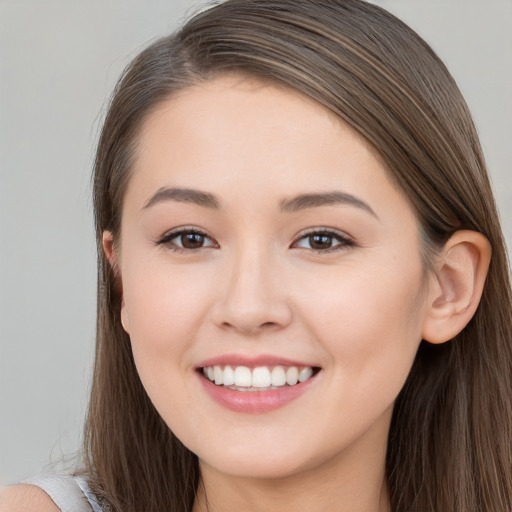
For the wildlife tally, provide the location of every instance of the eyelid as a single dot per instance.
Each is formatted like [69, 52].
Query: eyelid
[345, 239]
[165, 240]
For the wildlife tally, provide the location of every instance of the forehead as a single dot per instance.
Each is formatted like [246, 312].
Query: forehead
[240, 121]
[239, 137]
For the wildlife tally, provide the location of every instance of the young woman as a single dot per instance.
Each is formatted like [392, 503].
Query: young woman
[303, 297]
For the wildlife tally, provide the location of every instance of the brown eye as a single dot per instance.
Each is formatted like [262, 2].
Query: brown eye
[319, 242]
[187, 240]
[191, 240]
[323, 241]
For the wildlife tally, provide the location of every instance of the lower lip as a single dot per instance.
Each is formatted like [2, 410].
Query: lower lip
[254, 401]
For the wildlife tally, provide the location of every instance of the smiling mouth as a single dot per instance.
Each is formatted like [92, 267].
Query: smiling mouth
[259, 378]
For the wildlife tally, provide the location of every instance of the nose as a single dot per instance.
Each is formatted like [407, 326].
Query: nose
[253, 295]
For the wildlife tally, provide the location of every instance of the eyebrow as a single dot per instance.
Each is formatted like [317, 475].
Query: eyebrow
[184, 195]
[298, 203]
[304, 201]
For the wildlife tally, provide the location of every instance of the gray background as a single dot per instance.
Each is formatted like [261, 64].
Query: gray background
[58, 63]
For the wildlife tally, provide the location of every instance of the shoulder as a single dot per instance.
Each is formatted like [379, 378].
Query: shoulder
[23, 497]
[49, 493]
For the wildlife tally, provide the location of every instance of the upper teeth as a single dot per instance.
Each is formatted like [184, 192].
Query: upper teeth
[259, 377]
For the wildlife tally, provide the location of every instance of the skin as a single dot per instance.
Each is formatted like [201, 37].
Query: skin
[22, 497]
[256, 285]
[357, 310]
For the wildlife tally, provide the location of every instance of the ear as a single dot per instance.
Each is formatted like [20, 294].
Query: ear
[456, 286]
[110, 252]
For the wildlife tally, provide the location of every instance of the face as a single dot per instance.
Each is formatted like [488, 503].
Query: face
[263, 247]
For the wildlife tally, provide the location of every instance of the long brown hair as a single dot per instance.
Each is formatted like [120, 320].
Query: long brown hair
[450, 442]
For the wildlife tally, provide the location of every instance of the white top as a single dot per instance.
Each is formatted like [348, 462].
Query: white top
[69, 493]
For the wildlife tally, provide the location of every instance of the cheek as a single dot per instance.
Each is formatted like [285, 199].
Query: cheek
[164, 308]
[165, 311]
[371, 333]
[370, 322]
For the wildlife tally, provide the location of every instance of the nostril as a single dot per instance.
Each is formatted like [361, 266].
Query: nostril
[248, 327]
[251, 316]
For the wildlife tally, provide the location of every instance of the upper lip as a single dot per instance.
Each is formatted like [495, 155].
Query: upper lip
[252, 361]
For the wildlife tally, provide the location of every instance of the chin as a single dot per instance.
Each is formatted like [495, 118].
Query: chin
[257, 463]
[258, 469]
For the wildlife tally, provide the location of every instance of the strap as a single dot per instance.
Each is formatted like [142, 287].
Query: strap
[65, 491]
[93, 501]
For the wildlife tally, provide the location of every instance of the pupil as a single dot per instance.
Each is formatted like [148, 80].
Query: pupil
[320, 241]
[192, 240]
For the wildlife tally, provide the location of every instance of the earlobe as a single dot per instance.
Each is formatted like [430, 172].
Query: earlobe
[110, 253]
[124, 318]
[456, 285]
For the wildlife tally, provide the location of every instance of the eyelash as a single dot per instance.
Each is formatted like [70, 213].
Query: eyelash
[344, 240]
[169, 237]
